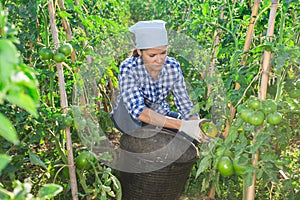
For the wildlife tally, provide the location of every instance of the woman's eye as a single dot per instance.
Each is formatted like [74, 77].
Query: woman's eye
[151, 55]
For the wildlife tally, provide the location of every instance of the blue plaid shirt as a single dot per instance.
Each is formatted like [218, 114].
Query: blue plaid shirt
[139, 90]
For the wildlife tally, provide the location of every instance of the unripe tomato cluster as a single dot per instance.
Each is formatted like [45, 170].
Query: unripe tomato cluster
[228, 166]
[62, 52]
[256, 111]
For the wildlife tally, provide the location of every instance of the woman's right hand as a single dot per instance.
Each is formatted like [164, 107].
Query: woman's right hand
[192, 129]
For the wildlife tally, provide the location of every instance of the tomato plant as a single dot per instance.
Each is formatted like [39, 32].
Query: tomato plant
[223, 152]
[88, 49]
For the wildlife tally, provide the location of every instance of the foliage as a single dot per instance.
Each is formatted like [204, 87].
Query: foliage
[18, 87]
[99, 29]
[18, 84]
[44, 135]
[22, 191]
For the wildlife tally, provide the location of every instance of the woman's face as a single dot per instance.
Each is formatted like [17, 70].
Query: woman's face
[154, 58]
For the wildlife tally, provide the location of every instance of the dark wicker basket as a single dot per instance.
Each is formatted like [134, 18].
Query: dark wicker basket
[160, 175]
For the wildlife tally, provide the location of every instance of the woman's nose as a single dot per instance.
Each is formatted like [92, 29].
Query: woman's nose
[159, 58]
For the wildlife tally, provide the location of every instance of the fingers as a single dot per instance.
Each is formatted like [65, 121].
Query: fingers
[203, 120]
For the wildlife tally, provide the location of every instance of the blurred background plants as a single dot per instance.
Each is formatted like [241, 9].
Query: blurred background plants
[32, 124]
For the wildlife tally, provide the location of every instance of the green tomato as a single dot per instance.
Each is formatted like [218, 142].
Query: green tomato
[246, 113]
[225, 166]
[256, 118]
[209, 128]
[274, 118]
[85, 160]
[254, 103]
[59, 57]
[65, 49]
[268, 106]
[46, 53]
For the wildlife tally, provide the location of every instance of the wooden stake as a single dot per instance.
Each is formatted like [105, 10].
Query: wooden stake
[251, 28]
[263, 86]
[63, 103]
[267, 54]
[247, 45]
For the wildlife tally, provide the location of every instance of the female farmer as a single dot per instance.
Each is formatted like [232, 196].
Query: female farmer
[145, 81]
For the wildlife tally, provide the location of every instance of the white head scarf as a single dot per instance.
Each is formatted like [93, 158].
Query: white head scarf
[149, 34]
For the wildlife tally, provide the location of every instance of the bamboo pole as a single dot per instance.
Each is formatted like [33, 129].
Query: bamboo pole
[263, 86]
[63, 103]
[237, 85]
[267, 54]
[251, 28]
[247, 45]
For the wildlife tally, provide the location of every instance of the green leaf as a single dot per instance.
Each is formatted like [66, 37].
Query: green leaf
[233, 134]
[35, 160]
[8, 60]
[234, 61]
[23, 101]
[261, 139]
[25, 79]
[7, 130]
[48, 191]
[203, 165]
[64, 14]
[4, 160]
[4, 194]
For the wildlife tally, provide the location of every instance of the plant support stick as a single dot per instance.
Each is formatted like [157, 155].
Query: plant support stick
[64, 103]
[263, 87]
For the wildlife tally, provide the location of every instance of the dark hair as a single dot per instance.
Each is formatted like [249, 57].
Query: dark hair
[135, 52]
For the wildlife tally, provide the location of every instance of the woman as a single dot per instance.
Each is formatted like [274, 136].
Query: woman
[145, 81]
